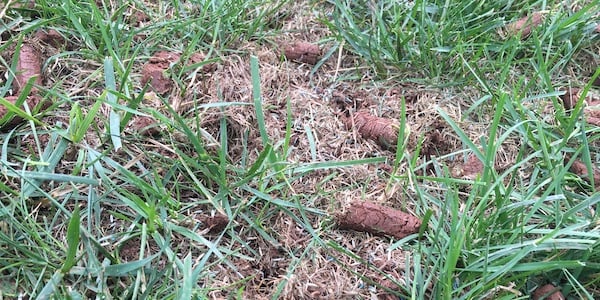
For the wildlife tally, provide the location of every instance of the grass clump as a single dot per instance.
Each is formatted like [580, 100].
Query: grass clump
[441, 41]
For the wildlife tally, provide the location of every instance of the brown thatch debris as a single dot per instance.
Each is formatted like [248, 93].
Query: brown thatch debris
[145, 125]
[524, 26]
[382, 130]
[29, 65]
[436, 141]
[303, 52]
[154, 71]
[52, 38]
[579, 168]
[548, 292]
[377, 219]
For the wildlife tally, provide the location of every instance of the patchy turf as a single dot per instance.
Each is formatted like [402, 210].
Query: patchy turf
[202, 150]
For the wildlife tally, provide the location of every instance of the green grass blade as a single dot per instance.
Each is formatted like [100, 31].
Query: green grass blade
[72, 241]
[186, 289]
[114, 118]
[51, 286]
[260, 117]
[128, 268]
[47, 176]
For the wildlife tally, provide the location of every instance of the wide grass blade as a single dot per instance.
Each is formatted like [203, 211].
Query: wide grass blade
[72, 240]
[256, 96]
[114, 119]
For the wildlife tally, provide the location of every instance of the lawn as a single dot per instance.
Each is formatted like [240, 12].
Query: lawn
[330, 149]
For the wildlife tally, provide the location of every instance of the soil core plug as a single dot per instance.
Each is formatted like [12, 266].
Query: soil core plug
[524, 26]
[377, 219]
[382, 130]
[29, 66]
[302, 52]
[548, 292]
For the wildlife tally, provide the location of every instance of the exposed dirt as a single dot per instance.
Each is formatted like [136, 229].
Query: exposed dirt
[130, 250]
[145, 126]
[524, 26]
[51, 37]
[548, 292]
[154, 71]
[579, 167]
[214, 224]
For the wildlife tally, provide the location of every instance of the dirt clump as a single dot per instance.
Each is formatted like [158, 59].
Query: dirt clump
[382, 130]
[524, 26]
[197, 58]
[154, 71]
[580, 169]
[377, 219]
[138, 18]
[145, 125]
[548, 292]
[592, 104]
[214, 224]
[469, 169]
[29, 65]
[570, 98]
[302, 52]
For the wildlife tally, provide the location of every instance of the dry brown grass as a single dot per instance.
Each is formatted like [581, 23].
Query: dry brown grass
[315, 104]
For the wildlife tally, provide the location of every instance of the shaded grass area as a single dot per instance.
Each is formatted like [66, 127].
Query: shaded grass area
[90, 207]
